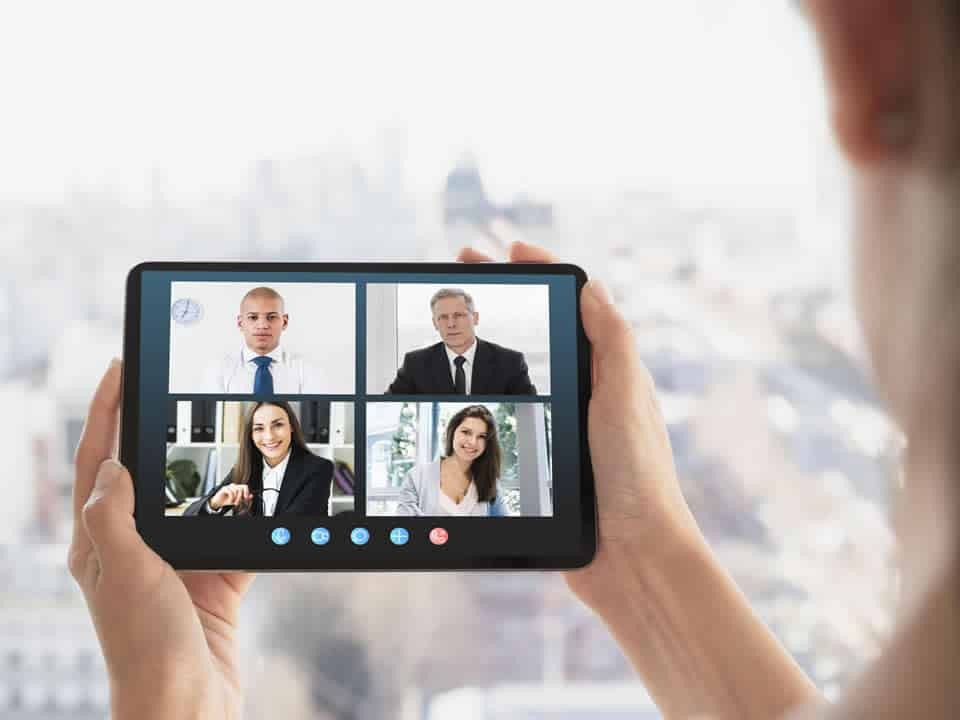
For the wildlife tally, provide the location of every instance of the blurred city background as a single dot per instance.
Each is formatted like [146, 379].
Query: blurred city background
[679, 151]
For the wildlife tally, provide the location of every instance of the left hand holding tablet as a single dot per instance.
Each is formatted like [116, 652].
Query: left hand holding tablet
[169, 640]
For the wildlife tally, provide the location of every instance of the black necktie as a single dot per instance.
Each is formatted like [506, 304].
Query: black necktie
[460, 377]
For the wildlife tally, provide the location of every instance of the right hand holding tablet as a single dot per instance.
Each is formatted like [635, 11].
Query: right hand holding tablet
[642, 512]
[238, 496]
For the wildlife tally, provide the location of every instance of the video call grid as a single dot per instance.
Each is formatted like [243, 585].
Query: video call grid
[361, 398]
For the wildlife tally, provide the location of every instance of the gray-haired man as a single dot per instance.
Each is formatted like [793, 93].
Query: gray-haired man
[462, 363]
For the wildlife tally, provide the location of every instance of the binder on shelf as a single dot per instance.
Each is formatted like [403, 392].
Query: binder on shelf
[322, 410]
[308, 420]
[209, 420]
[202, 420]
[171, 421]
[315, 420]
[196, 421]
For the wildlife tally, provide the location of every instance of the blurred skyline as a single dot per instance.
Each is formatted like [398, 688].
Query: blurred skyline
[683, 156]
[696, 97]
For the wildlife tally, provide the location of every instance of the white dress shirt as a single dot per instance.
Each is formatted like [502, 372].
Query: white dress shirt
[235, 373]
[272, 480]
[467, 366]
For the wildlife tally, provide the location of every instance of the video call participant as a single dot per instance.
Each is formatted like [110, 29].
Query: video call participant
[262, 366]
[461, 363]
[275, 474]
[464, 481]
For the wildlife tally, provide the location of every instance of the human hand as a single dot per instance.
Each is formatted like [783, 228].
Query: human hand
[642, 514]
[169, 640]
[233, 494]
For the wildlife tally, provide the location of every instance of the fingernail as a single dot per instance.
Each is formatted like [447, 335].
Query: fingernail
[599, 292]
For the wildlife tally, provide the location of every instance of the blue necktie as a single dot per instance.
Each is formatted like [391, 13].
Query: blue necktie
[263, 380]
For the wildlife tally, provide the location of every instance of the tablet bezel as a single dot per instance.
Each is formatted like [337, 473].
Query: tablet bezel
[212, 560]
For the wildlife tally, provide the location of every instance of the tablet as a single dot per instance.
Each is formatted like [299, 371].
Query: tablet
[307, 416]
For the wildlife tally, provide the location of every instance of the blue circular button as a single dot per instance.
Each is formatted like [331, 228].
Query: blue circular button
[280, 536]
[360, 536]
[399, 536]
[320, 536]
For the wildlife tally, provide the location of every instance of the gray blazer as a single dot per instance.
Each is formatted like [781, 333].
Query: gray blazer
[420, 494]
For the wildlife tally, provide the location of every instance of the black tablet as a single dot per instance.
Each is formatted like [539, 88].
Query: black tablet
[282, 416]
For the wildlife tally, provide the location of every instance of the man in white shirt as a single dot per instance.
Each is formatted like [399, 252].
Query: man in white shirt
[262, 366]
[462, 363]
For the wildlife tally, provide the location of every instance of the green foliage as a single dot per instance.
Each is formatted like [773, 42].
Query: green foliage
[404, 446]
[183, 477]
[506, 419]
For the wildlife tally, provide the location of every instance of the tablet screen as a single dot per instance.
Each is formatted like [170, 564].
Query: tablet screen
[330, 416]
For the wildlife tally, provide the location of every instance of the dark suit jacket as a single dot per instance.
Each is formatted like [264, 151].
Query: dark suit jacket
[304, 490]
[496, 371]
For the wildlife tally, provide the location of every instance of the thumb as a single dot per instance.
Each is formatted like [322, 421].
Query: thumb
[108, 518]
[611, 338]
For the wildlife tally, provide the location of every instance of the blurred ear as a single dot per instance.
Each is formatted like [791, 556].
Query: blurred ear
[874, 67]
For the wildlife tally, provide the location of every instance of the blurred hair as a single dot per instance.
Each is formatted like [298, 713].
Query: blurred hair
[249, 467]
[443, 293]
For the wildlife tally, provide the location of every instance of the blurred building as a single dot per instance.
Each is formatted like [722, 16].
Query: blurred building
[50, 662]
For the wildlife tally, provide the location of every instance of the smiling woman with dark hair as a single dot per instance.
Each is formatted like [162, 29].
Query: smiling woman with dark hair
[464, 481]
[275, 472]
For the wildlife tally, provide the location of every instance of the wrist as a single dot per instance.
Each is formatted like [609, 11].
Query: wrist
[194, 699]
[627, 571]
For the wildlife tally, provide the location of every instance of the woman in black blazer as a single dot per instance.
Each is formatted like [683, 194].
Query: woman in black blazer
[275, 474]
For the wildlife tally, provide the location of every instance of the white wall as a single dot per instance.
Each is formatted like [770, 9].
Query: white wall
[321, 329]
[515, 316]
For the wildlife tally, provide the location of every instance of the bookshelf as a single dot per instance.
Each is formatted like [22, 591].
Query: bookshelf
[214, 446]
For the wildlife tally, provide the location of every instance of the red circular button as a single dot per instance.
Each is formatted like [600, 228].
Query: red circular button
[439, 536]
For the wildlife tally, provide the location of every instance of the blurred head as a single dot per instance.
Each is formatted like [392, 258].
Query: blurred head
[472, 438]
[262, 319]
[892, 72]
[454, 317]
[891, 68]
[271, 429]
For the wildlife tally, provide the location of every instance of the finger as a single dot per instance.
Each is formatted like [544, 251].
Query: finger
[97, 444]
[469, 255]
[610, 335]
[521, 252]
[108, 520]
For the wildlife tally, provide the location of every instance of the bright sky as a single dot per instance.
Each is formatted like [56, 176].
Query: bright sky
[546, 95]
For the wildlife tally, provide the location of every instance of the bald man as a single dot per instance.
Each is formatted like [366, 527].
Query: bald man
[262, 366]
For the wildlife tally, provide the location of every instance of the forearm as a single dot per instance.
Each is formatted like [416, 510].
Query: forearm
[694, 640]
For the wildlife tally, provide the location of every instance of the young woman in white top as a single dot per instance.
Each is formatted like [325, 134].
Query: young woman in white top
[464, 481]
